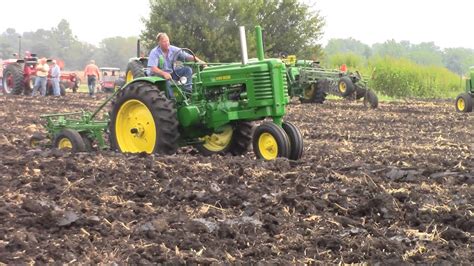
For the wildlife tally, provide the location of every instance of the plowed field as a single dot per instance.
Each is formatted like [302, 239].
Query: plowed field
[390, 185]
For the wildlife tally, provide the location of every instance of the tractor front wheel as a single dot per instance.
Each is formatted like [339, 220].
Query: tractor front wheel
[143, 120]
[270, 141]
[464, 103]
[69, 139]
[296, 140]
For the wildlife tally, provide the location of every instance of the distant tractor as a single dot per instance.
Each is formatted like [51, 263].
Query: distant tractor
[311, 83]
[111, 79]
[19, 74]
[464, 100]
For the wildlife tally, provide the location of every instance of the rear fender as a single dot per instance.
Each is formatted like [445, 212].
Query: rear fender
[156, 81]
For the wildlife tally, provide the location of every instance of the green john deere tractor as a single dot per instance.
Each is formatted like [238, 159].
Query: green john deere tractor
[465, 99]
[216, 117]
[311, 83]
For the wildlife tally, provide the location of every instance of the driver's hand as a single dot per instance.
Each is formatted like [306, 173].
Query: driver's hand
[167, 76]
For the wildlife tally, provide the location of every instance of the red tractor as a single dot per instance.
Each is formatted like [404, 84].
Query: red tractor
[69, 80]
[19, 74]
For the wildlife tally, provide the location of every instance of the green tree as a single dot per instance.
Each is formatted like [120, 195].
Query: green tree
[458, 60]
[350, 45]
[426, 53]
[210, 27]
[115, 52]
[391, 48]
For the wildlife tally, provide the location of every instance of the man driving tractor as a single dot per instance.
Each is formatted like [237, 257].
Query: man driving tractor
[160, 62]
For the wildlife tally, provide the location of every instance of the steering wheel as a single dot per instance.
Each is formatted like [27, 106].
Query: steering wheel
[283, 55]
[177, 64]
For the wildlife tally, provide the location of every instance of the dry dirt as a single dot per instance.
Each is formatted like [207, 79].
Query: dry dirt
[383, 186]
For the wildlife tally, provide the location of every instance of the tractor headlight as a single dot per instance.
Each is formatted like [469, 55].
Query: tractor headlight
[183, 80]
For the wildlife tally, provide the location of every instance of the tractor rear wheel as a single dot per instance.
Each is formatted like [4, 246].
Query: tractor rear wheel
[314, 93]
[296, 140]
[143, 120]
[320, 93]
[270, 141]
[134, 70]
[464, 103]
[69, 139]
[13, 79]
[234, 139]
[345, 86]
[371, 100]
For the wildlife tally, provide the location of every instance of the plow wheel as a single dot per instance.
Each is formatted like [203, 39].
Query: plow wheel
[13, 79]
[296, 140]
[270, 141]
[234, 139]
[464, 103]
[345, 86]
[371, 100]
[134, 70]
[143, 120]
[69, 139]
[36, 139]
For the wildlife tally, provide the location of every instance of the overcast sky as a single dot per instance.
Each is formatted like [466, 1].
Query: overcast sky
[447, 23]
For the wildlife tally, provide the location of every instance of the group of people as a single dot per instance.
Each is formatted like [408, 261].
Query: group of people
[41, 80]
[159, 64]
[43, 69]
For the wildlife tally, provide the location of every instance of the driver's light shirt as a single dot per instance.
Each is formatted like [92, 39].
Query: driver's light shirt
[156, 53]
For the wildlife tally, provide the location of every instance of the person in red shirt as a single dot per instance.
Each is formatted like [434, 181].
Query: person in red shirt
[91, 72]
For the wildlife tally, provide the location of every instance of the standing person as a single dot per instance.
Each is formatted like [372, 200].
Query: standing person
[55, 74]
[159, 62]
[91, 72]
[42, 70]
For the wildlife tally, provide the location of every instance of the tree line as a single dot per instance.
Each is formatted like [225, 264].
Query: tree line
[457, 60]
[210, 29]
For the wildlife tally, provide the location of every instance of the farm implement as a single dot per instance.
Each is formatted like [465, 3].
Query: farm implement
[311, 83]
[216, 117]
[464, 100]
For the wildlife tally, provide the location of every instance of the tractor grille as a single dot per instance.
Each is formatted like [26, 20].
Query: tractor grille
[263, 85]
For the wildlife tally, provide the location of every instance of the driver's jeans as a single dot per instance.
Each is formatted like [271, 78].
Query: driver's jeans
[184, 71]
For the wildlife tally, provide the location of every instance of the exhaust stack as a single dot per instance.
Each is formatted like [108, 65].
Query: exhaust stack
[243, 46]
[138, 48]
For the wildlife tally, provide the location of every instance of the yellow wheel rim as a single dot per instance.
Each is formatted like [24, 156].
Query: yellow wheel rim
[218, 141]
[268, 146]
[64, 143]
[461, 104]
[129, 76]
[342, 87]
[34, 143]
[309, 92]
[135, 128]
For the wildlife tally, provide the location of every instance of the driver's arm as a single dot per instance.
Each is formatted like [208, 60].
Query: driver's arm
[198, 60]
[160, 72]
